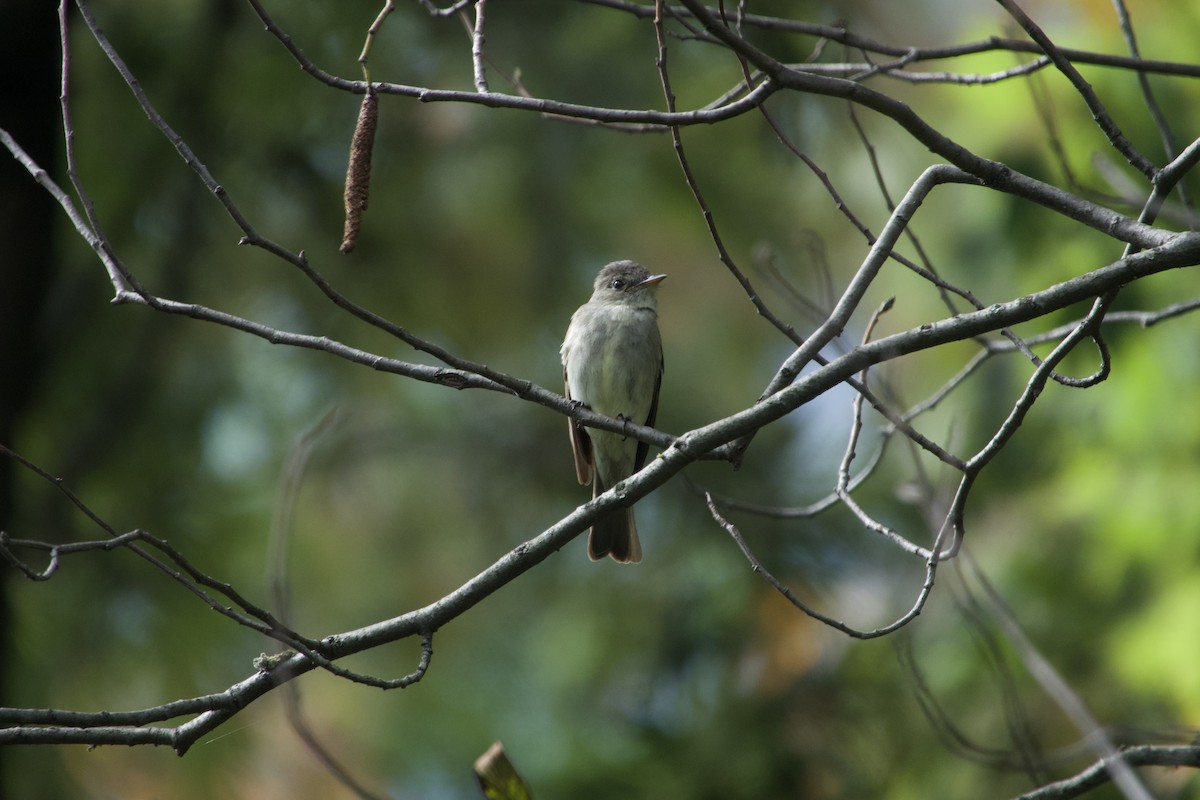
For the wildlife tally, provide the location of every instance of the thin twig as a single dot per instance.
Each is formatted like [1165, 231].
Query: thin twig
[698, 195]
[388, 7]
[842, 488]
[1152, 106]
[1061, 693]
[836, 624]
[1082, 87]
[478, 59]
[988, 350]
[989, 173]
[1088, 327]
[840, 34]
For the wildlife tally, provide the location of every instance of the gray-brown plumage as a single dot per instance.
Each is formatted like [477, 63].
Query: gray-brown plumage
[612, 363]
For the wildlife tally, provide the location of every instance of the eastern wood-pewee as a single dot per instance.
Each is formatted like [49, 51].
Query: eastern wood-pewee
[612, 363]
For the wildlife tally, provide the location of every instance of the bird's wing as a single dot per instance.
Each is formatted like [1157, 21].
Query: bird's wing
[643, 447]
[581, 443]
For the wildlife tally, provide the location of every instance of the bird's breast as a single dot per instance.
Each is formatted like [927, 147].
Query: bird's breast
[612, 358]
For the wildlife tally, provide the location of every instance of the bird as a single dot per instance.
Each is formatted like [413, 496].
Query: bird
[613, 364]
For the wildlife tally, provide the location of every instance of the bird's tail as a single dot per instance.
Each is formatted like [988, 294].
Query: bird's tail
[614, 534]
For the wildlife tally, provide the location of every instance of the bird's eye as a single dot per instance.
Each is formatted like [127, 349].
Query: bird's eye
[618, 284]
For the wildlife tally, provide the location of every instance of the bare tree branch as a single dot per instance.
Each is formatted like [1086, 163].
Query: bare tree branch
[1098, 774]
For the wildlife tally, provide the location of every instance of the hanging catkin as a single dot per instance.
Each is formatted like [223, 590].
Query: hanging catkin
[358, 171]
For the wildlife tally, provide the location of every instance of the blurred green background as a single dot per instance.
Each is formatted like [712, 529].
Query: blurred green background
[686, 676]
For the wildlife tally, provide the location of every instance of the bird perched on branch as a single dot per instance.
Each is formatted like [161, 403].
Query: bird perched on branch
[613, 364]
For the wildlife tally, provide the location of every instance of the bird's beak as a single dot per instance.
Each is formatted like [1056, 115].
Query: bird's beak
[653, 280]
